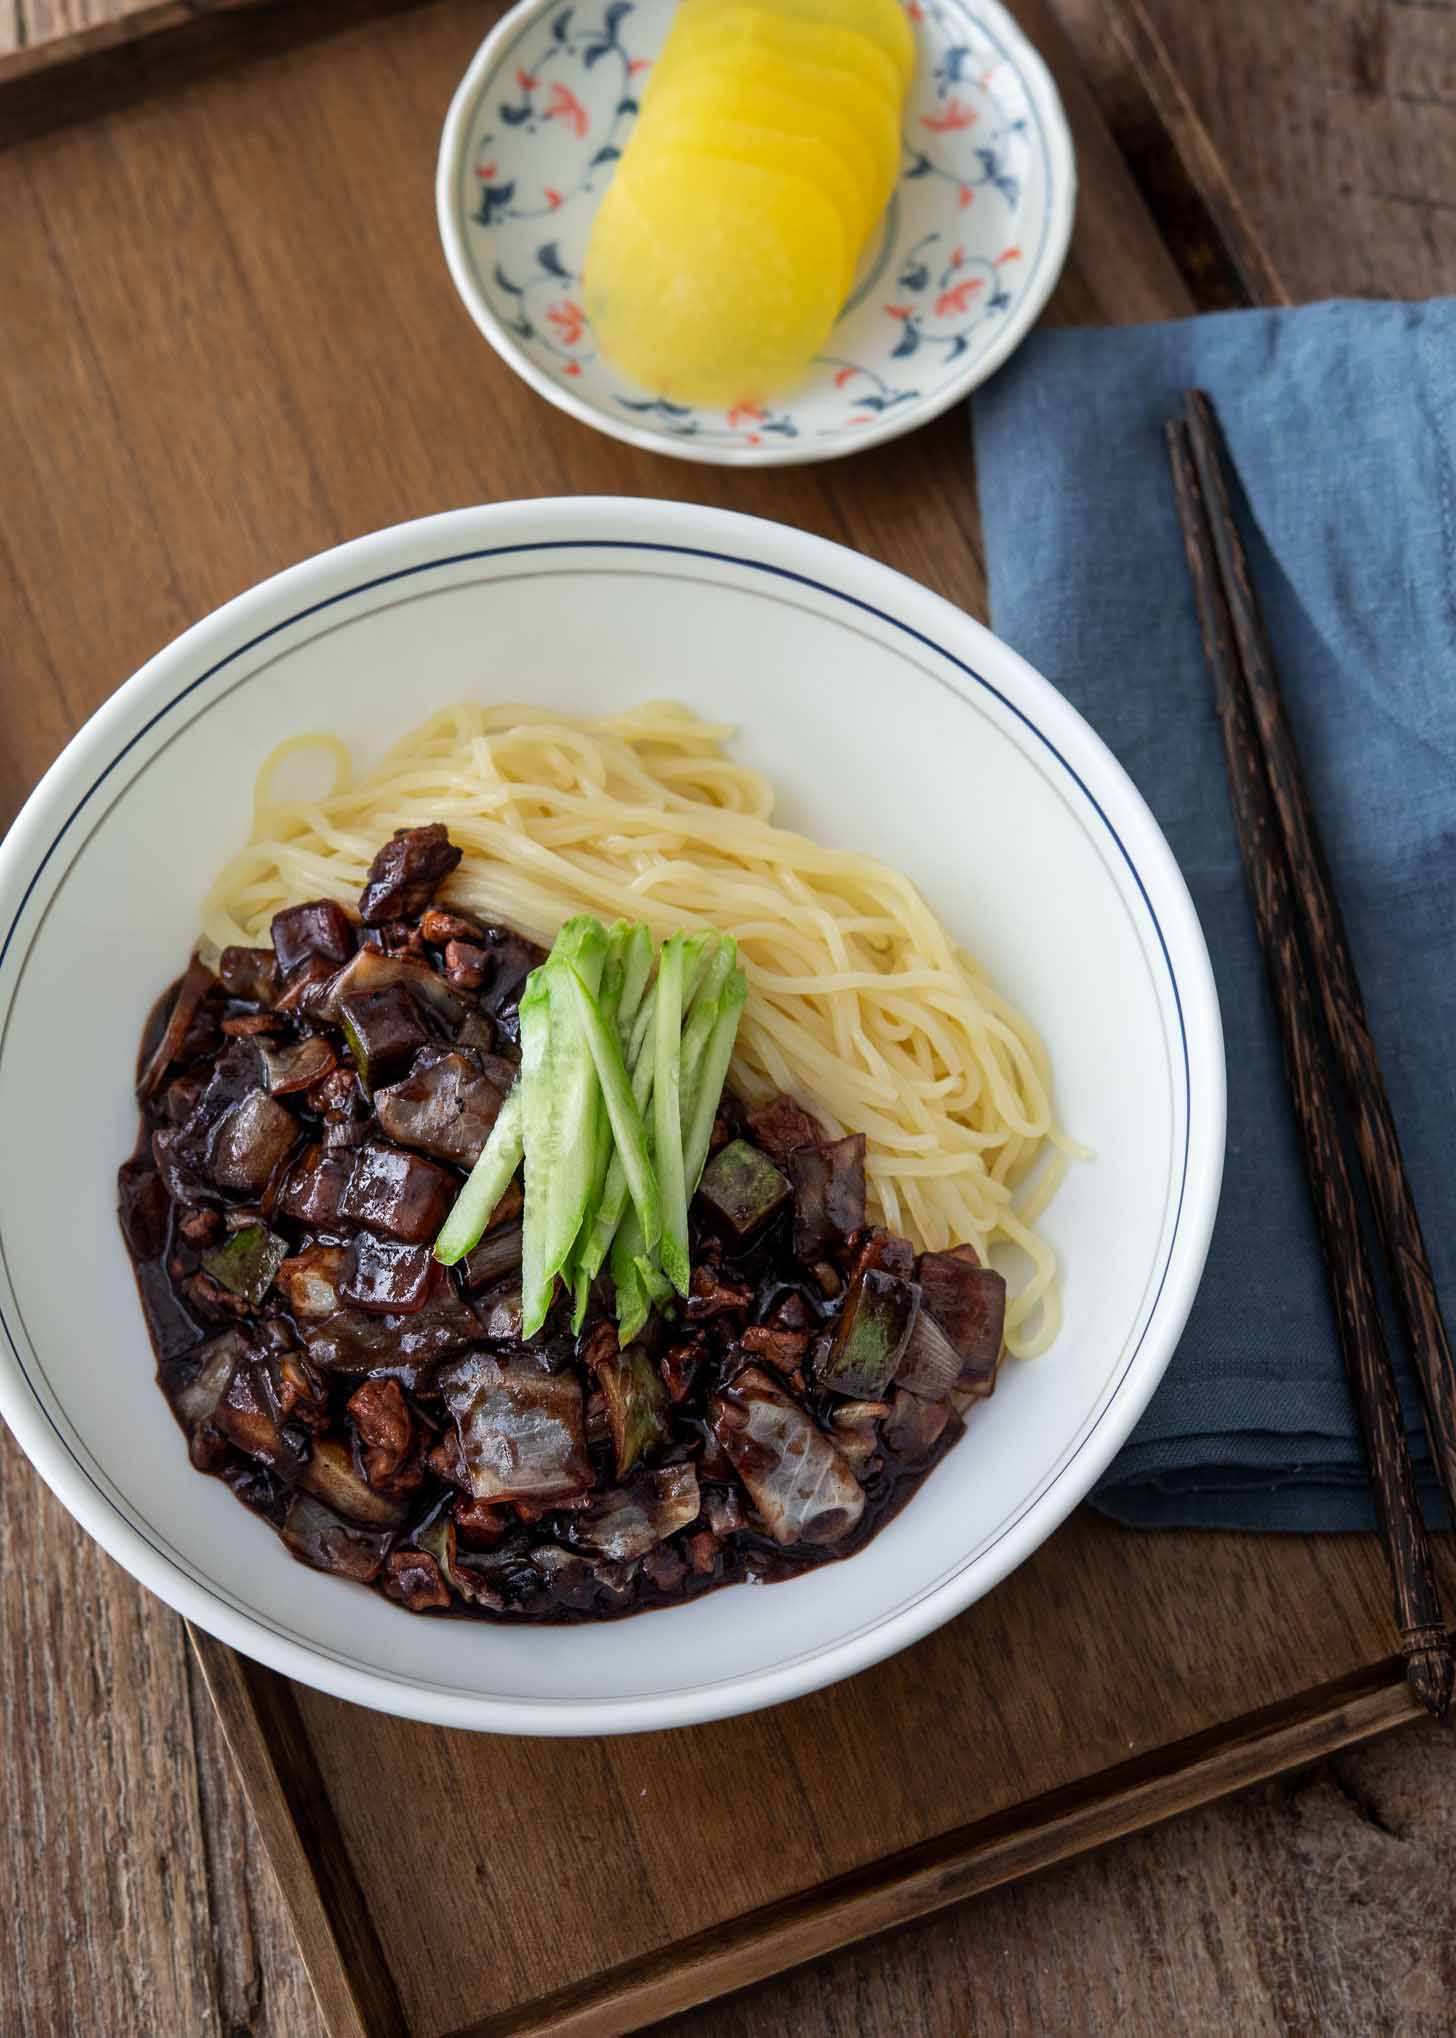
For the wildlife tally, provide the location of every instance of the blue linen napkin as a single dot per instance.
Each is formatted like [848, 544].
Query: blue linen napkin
[1341, 421]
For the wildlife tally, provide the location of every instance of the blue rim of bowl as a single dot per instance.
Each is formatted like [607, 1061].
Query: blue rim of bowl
[683, 1706]
[1061, 202]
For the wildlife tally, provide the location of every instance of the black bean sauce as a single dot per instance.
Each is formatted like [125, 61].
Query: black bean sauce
[308, 1115]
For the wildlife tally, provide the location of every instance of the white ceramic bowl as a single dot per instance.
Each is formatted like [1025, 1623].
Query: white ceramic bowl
[954, 276]
[891, 722]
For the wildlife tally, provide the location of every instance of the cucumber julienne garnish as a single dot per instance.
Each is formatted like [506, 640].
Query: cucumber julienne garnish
[623, 1060]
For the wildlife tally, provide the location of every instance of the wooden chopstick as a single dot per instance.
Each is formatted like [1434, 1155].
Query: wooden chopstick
[1430, 1667]
[1376, 1138]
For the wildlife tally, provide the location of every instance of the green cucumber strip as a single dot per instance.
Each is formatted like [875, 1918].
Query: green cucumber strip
[534, 1021]
[486, 1183]
[702, 1018]
[613, 971]
[614, 1201]
[695, 949]
[634, 1306]
[614, 1197]
[641, 1029]
[560, 1107]
[633, 1310]
[608, 1000]
[582, 942]
[656, 1284]
[637, 960]
[601, 1160]
[712, 1076]
[581, 1286]
[719, 961]
[667, 1140]
[580, 955]
[629, 1133]
[643, 1040]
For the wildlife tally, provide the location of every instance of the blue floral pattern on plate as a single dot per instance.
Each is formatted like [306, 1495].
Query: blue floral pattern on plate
[964, 257]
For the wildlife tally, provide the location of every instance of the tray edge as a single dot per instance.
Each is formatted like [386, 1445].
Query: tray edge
[350, 1970]
[274, 1760]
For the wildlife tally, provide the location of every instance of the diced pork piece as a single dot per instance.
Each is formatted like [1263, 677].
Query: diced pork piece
[251, 1142]
[320, 927]
[406, 874]
[388, 1278]
[385, 1428]
[384, 1029]
[829, 1194]
[915, 1425]
[781, 1125]
[315, 1185]
[398, 1194]
[413, 1578]
[968, 1301]
[444, 1107]
[249, 974]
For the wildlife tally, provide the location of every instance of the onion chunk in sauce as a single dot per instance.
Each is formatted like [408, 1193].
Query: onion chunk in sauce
[802, 1487]
[521, 1430]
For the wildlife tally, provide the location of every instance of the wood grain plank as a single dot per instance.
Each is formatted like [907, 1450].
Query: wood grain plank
[39, 22]
[1311, 1908]
[126, 1842]
[261, 1984]
[107, 1776]
[955, 1866]
[1338, 124]
[1186, 183]
[60, 40]
[269, 1743]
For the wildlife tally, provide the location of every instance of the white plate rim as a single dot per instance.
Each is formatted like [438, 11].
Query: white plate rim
[1061, 210]
[272, 607]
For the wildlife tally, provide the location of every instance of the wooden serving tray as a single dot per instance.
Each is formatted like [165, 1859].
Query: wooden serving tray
[238, 344]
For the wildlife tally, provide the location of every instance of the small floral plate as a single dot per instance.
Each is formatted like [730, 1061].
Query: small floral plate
[967, 253]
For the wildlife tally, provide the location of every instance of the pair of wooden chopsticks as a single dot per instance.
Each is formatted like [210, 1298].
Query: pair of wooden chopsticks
[1303, 939]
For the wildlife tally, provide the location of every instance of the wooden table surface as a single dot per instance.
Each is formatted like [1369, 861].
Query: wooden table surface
[140, 1900]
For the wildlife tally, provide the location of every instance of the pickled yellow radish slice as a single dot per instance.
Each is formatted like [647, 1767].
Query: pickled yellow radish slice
[881, 20]
[718, 115]
[701, 25]
[711, 281]
[715, 88]
[801, 98]
[709, 117]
